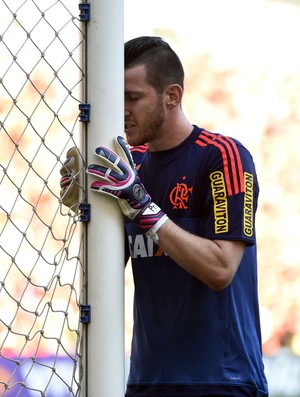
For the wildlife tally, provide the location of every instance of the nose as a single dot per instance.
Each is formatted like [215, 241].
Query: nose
[127, 112]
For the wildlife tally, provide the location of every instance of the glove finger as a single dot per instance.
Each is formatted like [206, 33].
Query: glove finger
[67, 166]
[65, 181]
[107, 155]
[123, 151]
[73, 152]
[108, 174]
[119, 169]
[102, 187]
[99, 186]
[99, 171]
[72, 163]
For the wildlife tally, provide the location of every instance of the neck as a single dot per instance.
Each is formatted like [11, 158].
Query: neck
[173, 134]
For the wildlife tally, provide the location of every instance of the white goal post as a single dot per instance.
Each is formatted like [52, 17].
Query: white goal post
[105, 94]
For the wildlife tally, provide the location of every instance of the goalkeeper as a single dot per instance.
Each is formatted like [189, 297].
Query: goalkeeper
[189, 198]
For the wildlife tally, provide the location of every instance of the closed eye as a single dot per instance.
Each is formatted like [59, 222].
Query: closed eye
[132, 96]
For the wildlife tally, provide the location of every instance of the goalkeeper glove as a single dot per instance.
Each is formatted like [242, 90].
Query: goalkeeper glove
[118, 178]
[69, 181]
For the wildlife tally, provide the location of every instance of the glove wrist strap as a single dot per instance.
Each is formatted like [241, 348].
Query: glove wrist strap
[151, 218]
[153, 232]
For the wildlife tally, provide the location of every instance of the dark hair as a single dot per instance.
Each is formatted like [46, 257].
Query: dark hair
[163, 66]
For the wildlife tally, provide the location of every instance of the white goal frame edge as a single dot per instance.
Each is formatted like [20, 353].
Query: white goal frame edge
[105, 234]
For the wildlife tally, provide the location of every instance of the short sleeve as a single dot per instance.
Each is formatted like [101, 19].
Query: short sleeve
[232, 192]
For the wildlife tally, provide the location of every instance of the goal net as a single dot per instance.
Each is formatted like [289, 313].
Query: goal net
[42, 242]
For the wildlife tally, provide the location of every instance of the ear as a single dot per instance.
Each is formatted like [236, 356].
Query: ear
[173, 95]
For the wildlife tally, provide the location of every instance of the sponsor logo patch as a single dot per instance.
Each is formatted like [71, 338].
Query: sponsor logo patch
[220, 202]
[248, 204]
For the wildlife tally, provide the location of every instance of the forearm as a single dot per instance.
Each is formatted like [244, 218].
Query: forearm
[212, 262]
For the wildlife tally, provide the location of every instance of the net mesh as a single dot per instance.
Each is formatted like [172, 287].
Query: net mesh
[42, 274]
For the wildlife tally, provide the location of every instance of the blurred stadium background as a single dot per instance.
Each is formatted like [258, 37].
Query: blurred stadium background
[242, 62]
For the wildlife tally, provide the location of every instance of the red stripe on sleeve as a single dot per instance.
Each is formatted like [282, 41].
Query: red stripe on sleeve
[211, 141]
[231, 159]
[240, 173]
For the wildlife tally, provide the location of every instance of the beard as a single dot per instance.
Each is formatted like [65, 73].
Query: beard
[151, 126]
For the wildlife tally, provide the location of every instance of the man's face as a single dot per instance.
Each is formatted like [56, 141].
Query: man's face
[144, 110]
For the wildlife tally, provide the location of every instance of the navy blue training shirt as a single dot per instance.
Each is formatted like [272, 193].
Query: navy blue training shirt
[189, 340]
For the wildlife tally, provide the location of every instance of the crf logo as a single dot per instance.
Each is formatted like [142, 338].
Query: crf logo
[179, 196]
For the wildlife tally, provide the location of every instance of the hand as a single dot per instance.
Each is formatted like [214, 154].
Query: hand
[118, 178]
[69, 182]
